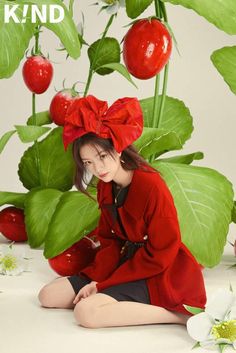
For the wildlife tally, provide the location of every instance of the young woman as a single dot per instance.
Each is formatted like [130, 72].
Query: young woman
[142, 273]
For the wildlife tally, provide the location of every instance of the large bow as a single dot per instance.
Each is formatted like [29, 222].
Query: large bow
[122, 122]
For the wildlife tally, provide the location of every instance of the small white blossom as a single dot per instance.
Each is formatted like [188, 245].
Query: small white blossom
[12, 261]
[113, 6]
[217, 324]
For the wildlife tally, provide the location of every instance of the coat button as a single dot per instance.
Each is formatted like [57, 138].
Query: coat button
[112, 231]
[145, 237]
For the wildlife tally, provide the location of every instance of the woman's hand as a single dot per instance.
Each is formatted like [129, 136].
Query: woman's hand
[86, 291]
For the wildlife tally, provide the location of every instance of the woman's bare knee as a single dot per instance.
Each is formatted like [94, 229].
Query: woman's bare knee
[86, 310]
[57, 294]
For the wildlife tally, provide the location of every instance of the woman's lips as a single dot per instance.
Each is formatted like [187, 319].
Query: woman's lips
[102, 175]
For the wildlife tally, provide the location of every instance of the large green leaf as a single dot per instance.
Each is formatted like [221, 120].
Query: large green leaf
[156, 142]
[222, 13]
[30, 133]
[234, 212]
[176, 117]
[5, 138]
[39, 119]
[224, 60]
[134, 8]
[204, 200]
[46, 164]
[14, 40]
[121, 69]
[184, 158]
[40, 206]
[75, 216]
[65, 30]
[12, 198]
[15, 37]
[104, 51]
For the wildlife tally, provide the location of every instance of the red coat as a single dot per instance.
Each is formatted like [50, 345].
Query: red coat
[173, 276]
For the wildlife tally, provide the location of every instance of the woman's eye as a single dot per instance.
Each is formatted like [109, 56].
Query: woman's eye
[86, 164]
[102, 156]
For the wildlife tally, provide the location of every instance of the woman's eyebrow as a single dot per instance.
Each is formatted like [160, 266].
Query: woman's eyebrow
[83, 159]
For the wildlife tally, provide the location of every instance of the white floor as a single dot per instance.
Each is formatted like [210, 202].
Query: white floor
[25, 327]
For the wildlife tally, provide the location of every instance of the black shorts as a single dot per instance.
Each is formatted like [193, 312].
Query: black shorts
[135, 291]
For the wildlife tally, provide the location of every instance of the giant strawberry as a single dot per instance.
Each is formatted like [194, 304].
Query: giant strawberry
[12, 224]
[147, 48]
[37, 73]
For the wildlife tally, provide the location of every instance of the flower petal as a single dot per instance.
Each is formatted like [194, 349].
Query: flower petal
[112, 10]
[199, 326]
[220, 303]
[232, 314]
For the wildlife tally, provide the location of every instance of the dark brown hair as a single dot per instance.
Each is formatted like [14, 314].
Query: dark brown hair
[130, 158]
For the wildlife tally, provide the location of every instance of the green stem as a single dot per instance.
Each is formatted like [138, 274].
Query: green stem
[163, 96]
[157, 8]
[91, 71]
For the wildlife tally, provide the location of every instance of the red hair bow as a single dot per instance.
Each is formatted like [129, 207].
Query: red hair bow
[122, 122]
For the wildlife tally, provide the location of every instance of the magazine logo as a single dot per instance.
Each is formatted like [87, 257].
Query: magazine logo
[46, 13]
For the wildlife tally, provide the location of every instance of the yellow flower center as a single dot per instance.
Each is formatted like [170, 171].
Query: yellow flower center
[9, 262]
[226, 329]
[110, 2]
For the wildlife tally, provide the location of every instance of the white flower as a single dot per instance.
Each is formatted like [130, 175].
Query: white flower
[12, 261]
[112, 6]
[217, 324]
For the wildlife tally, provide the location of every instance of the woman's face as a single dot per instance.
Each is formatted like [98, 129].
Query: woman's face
[99, 162]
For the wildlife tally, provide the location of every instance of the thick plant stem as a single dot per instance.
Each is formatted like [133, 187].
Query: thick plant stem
[91, 70]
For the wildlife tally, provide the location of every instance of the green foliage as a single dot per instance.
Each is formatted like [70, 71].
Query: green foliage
[156, 142]
[134, 8]
[185, 158]
[70, 222]
[204, 200]
[224, 61]
[30, 133]
[5, 138]
[176, 116]
[39, 119]
[104, 51]
[121, 69]
[16, 199]
[46, 164]
[193, 310]
[15, 37]
[40, 205]
[220, 13]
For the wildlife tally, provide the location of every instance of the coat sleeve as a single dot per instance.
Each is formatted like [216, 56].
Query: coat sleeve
[109, 252]
[161, 247]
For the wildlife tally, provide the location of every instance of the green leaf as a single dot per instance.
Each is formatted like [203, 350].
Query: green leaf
[156, 142]
[40, 206]
[193, 310]
[30, 133]
[234, 212]
[75, 215]
[54, 168]
[134, 8]
[104, 51]
[121, 69]
[5, 138]
[204, 200]
[220, 13]
[222, 346]
[224, 61]
[197, 345]
[12, 198]
[176, 117]
[185, 158]
[65, 30]
[39, 119]
[14, 40]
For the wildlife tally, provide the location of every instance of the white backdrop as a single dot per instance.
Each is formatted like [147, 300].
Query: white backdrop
[192, 78]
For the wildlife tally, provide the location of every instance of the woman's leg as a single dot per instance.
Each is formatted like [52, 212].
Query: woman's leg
[101, 310]
[57, 294]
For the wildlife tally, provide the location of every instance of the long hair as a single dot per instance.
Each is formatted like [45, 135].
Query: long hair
[130, 159]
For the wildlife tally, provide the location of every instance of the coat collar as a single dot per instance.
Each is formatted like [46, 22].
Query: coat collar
[136, 198]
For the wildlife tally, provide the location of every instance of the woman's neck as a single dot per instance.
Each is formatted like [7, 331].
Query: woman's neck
[123, 177]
